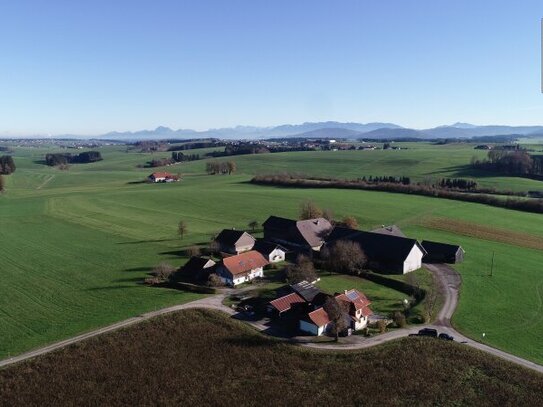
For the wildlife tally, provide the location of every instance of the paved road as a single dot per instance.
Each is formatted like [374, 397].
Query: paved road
[448, 278]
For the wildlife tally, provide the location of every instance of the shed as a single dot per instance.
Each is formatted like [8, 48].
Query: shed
[438, 252]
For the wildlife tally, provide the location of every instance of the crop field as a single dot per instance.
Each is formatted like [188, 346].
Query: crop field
[204, 358]
[76, 244]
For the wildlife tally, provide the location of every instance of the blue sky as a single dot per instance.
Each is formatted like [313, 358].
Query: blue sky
[96, 66]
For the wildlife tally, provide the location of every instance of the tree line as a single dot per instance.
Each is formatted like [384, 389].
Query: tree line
[526, 205]
[54, 159]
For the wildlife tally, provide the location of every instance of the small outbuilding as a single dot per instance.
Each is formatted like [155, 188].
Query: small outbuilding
[233, 241]
[163, 177]
[271, 251]
[442, 252]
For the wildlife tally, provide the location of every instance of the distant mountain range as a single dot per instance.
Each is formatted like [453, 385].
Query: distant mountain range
[329, 129]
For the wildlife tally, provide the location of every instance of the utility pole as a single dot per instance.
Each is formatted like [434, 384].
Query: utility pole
[492, 265]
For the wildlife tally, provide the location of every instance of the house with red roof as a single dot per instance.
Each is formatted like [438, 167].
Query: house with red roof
[163, 177]
[357, 311]
[241, 268]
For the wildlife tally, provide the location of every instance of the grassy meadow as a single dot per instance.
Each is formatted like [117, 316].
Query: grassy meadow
[199, 357]
[76, 244]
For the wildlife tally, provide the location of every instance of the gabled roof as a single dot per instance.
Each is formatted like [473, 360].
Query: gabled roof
[285, 303]
[244, 262]
[314, 230]
[389, 230]
[319, 317]
[267, 247]
[357, 301]
[306, 290]
[230, 236]
[276, 222]
[307, 232]
[196, 264]
[161, 175]
[376, 245]
[444, 249]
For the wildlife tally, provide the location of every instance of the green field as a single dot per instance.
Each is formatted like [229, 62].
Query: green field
[76, 244]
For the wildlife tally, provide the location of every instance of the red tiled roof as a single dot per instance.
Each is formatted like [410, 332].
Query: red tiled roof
[354, 297]
[161, 175]
[285, 303]
[366, 312]
[319, 317]
[244, 262]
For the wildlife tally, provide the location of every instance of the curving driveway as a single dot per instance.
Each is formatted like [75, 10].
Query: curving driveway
[448, 278]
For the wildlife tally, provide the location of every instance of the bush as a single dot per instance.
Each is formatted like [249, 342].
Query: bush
[382, 326]
[163, 271]
[399, 319]
[214, 280]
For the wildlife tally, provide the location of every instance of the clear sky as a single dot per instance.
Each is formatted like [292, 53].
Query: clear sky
[89, 67]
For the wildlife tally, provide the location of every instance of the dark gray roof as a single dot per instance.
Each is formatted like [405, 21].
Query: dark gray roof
[305, 290]
[276, 222]
[230, 236]
[439, 248]
[305, 232]
[377, 246]
[196, 264]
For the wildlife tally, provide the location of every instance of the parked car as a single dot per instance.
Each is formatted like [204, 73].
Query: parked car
[428, 332]
[445, 336]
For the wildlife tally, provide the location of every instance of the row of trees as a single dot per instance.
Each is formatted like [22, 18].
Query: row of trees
[58, 159]
[386, 179]
[221, 167]
[458, 183]
[178, 156]
[7, 165]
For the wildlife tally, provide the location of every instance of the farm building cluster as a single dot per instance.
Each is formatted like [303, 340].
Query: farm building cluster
[244, 257]
[303, 305]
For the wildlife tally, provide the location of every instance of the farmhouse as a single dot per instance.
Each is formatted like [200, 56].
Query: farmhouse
[317, 322]
[299, 235]
[163, 177]
[273, 252]
[197, 268]
[241, 268]
[386, 253]
[234, 241]
[442, 252]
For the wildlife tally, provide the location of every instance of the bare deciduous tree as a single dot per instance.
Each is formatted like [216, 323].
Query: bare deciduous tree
[350, 222]
[309, 210]
[232, 167]
[163, 271]
[2, 184]
[429, 304]
[181, 228]
[328, 214]
[302, 270]
[253, 225]
[337, 314]
[346, 256]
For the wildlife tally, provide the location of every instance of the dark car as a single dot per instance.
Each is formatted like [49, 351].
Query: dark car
[445, 336]
[428, 332]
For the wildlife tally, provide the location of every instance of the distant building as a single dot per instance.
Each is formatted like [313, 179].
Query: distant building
[163, 177]
[392, 230]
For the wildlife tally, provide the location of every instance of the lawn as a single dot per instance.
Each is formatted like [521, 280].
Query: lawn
[76, 244]
[201, 357]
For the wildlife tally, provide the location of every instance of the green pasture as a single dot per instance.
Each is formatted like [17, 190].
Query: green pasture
[76, 244]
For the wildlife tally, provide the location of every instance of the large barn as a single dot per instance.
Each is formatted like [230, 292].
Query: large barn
[297, 234]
